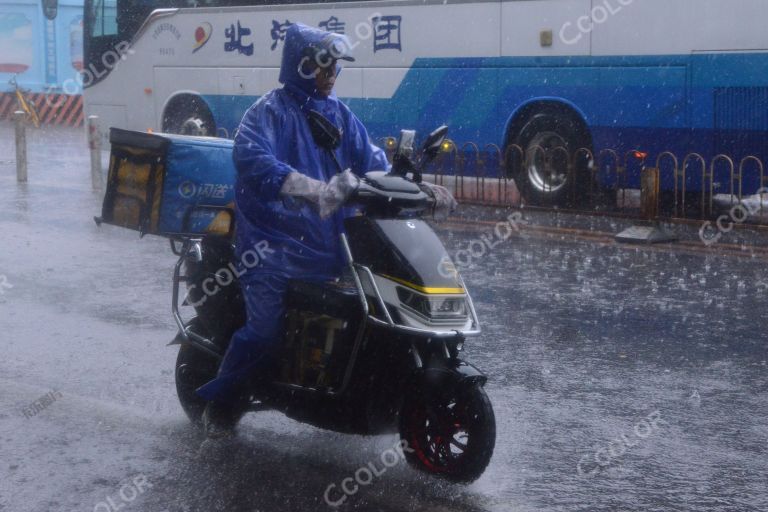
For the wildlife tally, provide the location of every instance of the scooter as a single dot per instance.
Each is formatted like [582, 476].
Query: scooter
[376, 352]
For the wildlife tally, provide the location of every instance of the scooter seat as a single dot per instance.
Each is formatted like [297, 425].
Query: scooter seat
[331, 298]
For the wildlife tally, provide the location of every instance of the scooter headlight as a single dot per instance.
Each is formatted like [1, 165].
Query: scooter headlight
[433, 308]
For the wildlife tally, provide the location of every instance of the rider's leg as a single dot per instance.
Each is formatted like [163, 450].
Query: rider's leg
[250, 351]
[252, 344]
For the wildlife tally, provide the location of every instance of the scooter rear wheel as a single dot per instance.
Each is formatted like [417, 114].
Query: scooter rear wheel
[451, 436]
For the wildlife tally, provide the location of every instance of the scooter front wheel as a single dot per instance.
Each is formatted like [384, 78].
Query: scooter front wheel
[451, 434]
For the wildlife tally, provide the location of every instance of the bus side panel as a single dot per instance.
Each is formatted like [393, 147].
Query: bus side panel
[641, 107]
[661, 27]
[390, 101]
[238, 89]
[523, 24]
[730, 92]
[728, 75]
[464, 99]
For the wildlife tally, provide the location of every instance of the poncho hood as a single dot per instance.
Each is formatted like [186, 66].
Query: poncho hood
[303, 44]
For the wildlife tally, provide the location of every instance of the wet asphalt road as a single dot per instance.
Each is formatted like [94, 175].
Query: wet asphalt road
[623, 378]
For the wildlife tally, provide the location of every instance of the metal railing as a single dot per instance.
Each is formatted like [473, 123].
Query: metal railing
[692, 185]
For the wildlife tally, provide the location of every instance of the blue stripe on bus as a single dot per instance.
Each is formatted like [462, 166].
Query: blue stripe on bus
[709, 103]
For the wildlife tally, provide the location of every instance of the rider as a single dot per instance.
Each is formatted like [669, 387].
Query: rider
[277, 163]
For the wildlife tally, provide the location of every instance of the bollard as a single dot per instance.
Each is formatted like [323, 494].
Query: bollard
[652, 232]
[649, 193]
[20, 120]
[94, 145]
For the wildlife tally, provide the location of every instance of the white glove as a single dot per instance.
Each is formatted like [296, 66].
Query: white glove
[444, 201]
[326, 197]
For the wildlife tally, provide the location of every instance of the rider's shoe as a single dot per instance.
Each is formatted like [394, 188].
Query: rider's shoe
[220, 420]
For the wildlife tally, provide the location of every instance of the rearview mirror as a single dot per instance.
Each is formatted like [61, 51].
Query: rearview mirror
[433, 142]
[324, 132]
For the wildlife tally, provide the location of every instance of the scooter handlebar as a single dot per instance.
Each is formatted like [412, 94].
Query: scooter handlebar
[392, 194]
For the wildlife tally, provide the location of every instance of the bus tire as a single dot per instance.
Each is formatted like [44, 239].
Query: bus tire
[189, 115]
[556, 183]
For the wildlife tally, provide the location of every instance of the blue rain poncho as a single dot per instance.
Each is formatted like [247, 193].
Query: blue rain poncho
[273, 140]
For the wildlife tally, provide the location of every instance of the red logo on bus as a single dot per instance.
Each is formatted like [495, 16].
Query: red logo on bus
[202, 35]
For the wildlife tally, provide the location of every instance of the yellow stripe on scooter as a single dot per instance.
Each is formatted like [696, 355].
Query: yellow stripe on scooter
[425, 289]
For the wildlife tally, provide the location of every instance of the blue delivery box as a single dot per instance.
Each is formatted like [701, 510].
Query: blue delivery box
[170, 185]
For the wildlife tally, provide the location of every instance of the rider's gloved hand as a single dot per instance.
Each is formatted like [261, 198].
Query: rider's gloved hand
[444, 201]
[325, 197]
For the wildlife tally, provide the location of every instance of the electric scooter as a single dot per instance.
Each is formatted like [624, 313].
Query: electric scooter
[377, 351]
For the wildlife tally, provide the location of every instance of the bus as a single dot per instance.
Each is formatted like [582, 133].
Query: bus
[657, 76]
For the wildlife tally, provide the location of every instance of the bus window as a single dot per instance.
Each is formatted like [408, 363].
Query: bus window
[104, 18]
